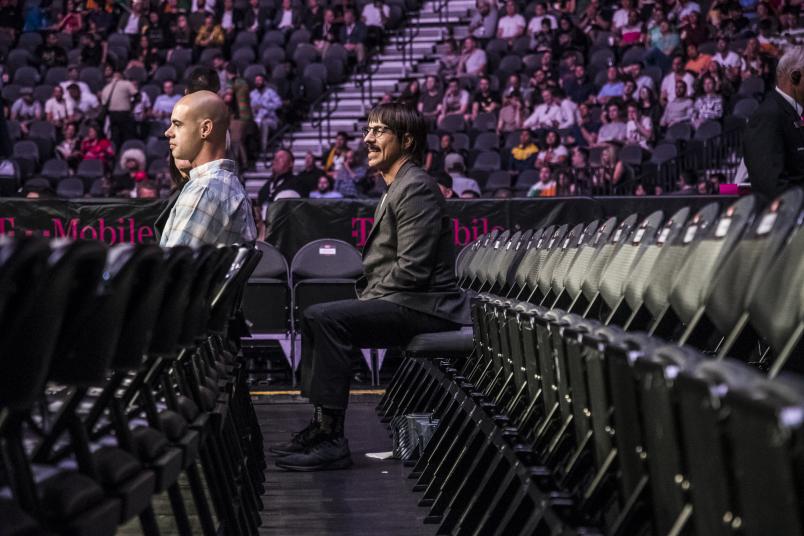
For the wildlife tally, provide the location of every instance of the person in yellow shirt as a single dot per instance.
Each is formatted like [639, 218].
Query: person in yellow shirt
[210, 34]
[523, 155]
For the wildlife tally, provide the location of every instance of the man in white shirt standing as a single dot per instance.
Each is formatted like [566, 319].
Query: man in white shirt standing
[374, 15]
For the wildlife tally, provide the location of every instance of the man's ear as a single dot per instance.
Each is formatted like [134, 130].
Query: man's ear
[407, 141]
[206, 128]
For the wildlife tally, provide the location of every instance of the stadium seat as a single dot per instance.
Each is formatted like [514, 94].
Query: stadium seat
[70, 188]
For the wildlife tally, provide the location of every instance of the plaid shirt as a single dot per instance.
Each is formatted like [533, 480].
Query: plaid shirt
[213, 208]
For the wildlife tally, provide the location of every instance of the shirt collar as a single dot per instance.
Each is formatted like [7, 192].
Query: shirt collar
[790, 100]
[210, 168]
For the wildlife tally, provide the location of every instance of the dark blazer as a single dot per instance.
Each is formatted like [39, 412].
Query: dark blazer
[358, 34]
[295, 18]
[409, 256]
[773, 146]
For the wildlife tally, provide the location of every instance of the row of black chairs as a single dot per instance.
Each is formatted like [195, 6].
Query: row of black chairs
[121, 381]
[626, 377]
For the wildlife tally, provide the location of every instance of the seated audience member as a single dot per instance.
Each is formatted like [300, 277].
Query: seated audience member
[164, 103]
[544, 41]
[146, 189]
[578, 86]
[25, 109]
[375, 16]
[326, 32]
[69, 148]
[619, 18]
[638, 128]
[470, 193]
[96, 147]
[553, 152]
[264, 104]
[324, 190]
[210, 34]
[473, 59]
[81, 105]
[460, 182]
[484, 100]
[536, 24]
[353, 36]
[282, 178]
[308, 176]
[430, 100]
[670, 82]
[613, 88]
[73, 77]
[728, 59]
[632, 32]
[546, 115]
[287, 17]
[512, 24]
[411, 94]
[545, 186]
[511, 115]
[132, 167]
[352, 174]
[435, 161]
[50, 53]
[56, 108]
[483, 24]
[678, 110]
[523, 155]
[504, 193]
[449, 59]
[444, 181]
[588, 125]
[455, 101]
[709, 105]
[335, 155]
[613, 129]
[696, 61]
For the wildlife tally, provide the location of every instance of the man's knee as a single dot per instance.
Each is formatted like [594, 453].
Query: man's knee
[327, 312]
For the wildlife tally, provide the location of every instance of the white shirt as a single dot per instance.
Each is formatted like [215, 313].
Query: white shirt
[227, 21]
[632, 134]
[476, 61]
[209, 6]
[731, 59]
[511, 26]
[669, 85]
[372, 16]
[164, 105]
[83, 85]
[535, 24]
[544, 115]
[791, 101]
[57, 109]
[132, 25]
[287, 19]
[691, 7]
[569, 110]
[620, 18]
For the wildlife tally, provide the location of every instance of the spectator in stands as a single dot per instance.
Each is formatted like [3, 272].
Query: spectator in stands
[324, 190]
[308, 176]
[210, 34]
[118, 95]
[375, 16]
[435, 161]
[132, 171]
[350, 178]
[353, 36]
[281, 179]
[663, 41]
[25, 109]
[696, 62]
[620, 17]
[687, 183]
[146, 189]
[164, 103]
[460, 182]
[544, 41]
[725, 57]
[708, 106]
[73, 78]
[636, 73]
[411, 94]
[50, 53]
[632, 33]
[96, 147]
[56, 108]
[546, 115]
[522, 156]
[326, 32]
[692, 31]
[578, 87]
[70, 21]
[444, 181]
[241, 124]
[553, 153]
[132, 22]
[536, 26]
[683, 8]
[678, 110]
[638, 128]
[511, 115]
[484, 100]
[545, 186]
[101, 17]
[648, 106]
[287, 18]
[430, 100]
[335, 155]
[612, 129]
[93, 51]
[449, 60]
[183, 35]
[473, 59]
[456, 100]
[230, 20]
[158, 34]
[69, 149]
[588, 125]
[483, 24]
[513, 85]
[313, 13]
[264, 104]
[613, 88]
[255, 17]
[207, 6]
[512, 24]
[755, 60]
[145, 56]
[140, 112]
[670, 82]
[629, 91]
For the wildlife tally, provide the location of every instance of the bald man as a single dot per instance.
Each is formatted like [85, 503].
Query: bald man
[213, 207]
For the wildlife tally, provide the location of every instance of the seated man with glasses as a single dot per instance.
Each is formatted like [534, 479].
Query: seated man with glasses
[408, 288]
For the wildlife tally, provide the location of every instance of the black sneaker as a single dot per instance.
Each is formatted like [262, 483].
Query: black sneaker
[325, 455]
[300, 441]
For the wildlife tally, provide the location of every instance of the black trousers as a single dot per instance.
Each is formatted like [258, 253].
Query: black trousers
[123, 128]
[334, 332]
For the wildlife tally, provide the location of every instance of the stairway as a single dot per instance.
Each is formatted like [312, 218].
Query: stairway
[349, 103]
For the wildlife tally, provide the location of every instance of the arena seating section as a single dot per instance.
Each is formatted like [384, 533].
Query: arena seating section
[625, 377]
[121, 379]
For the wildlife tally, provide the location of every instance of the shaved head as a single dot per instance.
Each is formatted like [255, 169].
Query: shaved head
[198, 126]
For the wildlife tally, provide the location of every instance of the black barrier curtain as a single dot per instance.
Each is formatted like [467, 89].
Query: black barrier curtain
[293, 223]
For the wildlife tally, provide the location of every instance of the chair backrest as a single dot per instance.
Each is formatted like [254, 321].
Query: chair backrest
[70, 188]
[488, 160]
[326, 259]
[491, 268]
[573, 282]
[179, 271]
[621, 235]
[571, 249]
[272, 264]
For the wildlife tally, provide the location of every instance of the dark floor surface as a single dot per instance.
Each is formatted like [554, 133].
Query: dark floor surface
[372, 498]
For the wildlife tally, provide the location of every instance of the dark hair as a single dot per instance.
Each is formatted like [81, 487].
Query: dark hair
[203, 78]
[402, 119]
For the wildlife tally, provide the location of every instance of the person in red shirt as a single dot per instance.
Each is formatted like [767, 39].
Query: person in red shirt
[95, 147]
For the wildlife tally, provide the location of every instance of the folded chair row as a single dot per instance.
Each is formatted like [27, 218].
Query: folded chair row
[627, 377]
[120, 381]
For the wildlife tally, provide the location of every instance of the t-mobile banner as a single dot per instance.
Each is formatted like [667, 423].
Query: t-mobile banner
[292, 223]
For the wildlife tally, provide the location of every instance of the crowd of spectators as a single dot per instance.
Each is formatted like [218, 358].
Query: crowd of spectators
[558, 94]
[96, 80]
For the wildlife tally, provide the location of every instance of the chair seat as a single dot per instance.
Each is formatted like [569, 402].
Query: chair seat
[441, 344]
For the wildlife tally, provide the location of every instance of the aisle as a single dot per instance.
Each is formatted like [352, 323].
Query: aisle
[370, 499]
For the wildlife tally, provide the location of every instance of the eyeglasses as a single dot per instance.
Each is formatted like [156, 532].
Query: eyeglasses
[375, 131]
